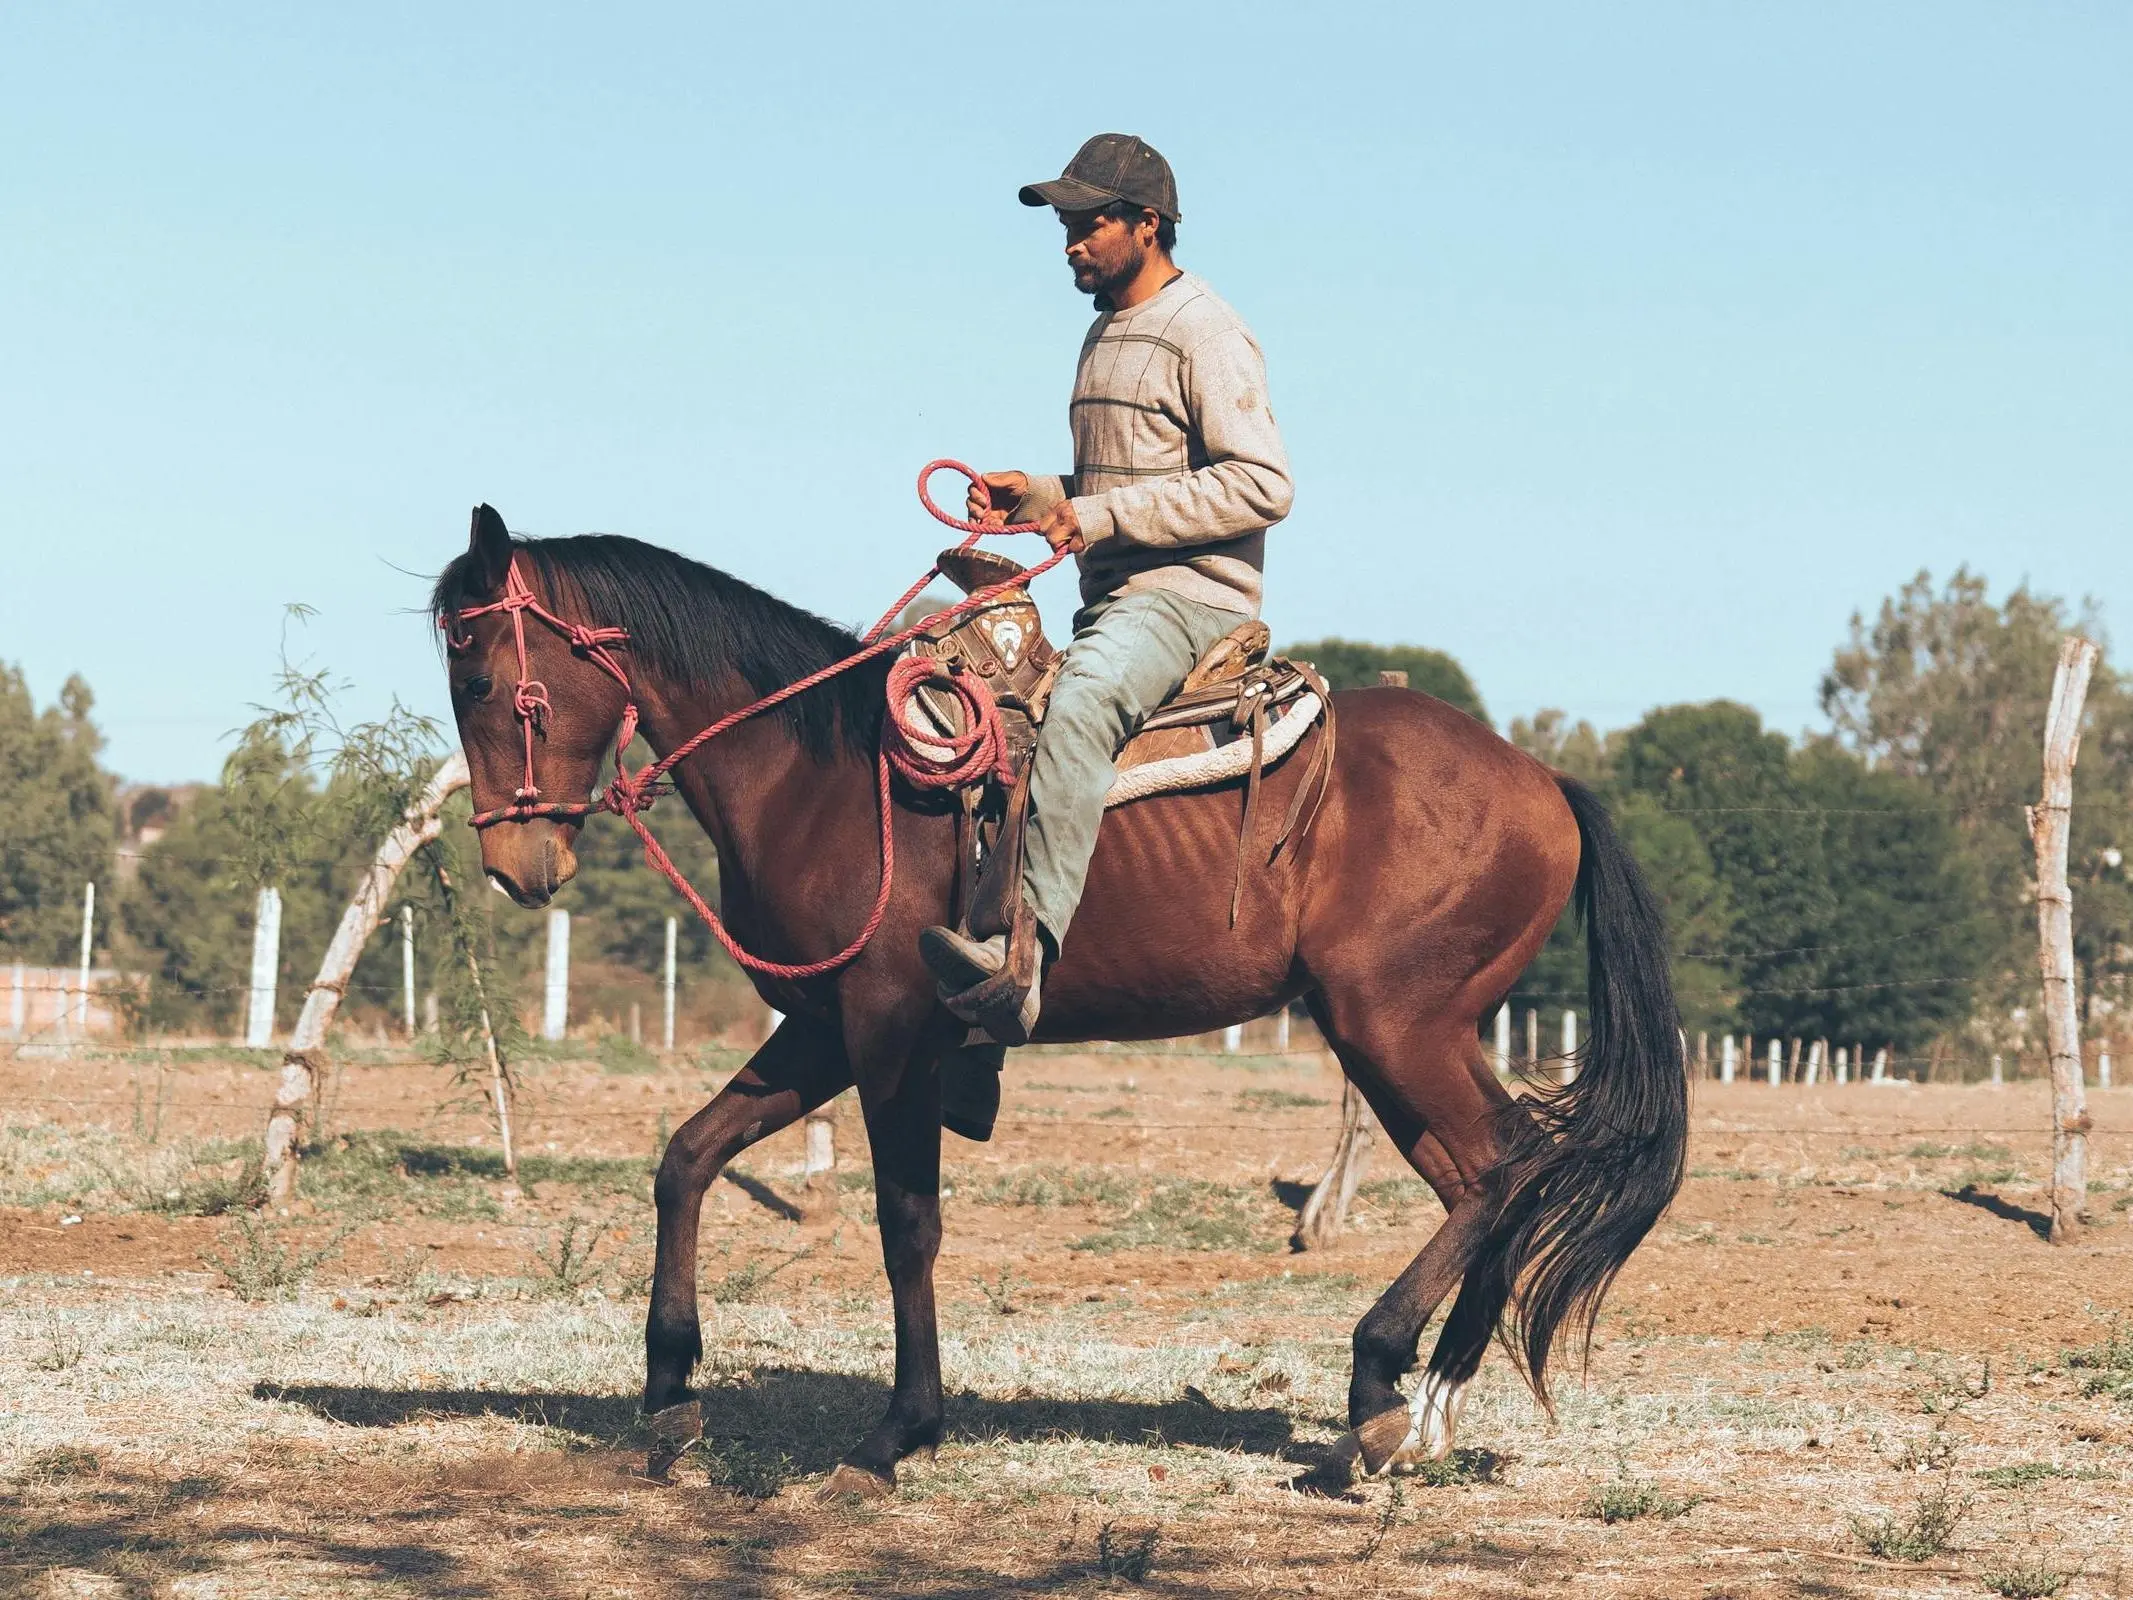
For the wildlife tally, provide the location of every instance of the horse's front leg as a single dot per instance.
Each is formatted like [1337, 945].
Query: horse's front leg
[904, 1132]
[799, 1067]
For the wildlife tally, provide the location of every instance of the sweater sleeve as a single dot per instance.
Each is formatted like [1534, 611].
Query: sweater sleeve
[1245, 485]
[1046, 490]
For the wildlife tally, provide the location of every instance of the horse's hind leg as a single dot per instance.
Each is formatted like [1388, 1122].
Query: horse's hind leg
[799, 1067]
[1438, 1102]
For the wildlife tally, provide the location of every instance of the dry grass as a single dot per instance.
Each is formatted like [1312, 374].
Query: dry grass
[1153, 1412]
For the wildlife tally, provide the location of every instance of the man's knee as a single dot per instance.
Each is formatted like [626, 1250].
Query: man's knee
[1087, 705]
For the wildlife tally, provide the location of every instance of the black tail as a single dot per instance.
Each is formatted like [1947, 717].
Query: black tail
[1589, 1167]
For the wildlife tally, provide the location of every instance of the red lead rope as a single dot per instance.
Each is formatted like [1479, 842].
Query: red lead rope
[904, 747]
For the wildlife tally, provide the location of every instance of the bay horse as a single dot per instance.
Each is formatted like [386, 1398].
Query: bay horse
[1439, 859]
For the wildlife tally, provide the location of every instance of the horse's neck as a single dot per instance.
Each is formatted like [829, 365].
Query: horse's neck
[752, 788]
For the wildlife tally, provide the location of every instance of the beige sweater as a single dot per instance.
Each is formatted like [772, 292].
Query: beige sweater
[1178, 467]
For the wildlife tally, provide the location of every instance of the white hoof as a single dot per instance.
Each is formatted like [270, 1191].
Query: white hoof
[1433, 1418]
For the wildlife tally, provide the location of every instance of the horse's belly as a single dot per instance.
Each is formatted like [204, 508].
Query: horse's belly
[1151, 952]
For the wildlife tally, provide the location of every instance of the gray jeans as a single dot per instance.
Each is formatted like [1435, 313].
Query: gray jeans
[1129, 655]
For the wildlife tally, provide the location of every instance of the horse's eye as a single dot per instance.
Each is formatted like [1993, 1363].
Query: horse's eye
[478, 688]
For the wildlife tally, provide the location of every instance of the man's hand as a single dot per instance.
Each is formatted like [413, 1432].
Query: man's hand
[994, 496]
[1061, 528]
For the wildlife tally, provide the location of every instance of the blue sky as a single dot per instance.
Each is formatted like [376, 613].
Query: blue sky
[1622, 351]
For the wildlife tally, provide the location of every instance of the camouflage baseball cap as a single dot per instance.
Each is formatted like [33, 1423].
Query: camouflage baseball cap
[1111, 166]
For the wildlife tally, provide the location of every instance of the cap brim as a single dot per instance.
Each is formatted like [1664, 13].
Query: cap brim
[1067, 194]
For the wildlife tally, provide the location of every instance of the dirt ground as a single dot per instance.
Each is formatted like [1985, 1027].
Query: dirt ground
[1845, 1363]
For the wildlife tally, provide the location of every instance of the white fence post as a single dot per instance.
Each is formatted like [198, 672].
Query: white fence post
[88, 930]
[1233, 1038]
[1727, 1059]
[1503, 1040]
[555, 1007]
[2103, 1066]
[266, 969]
[1844, 1062]
[407, 965]
[1570, 1046]
[1777, 1064]
[1998, 1077]
[1533, 1035]
[1281, 1031]
[821, 1146]
[1814, 1064]
[673, 928]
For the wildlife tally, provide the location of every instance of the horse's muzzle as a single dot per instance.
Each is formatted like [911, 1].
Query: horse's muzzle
[532, 876]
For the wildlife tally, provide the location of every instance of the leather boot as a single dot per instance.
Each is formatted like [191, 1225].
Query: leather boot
[994, 982]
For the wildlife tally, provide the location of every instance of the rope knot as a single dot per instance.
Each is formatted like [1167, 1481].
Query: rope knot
[530, 701]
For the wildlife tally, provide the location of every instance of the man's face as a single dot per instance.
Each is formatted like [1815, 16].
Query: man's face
[1105, 253]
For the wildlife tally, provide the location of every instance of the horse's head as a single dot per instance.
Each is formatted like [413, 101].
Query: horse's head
[537, 709]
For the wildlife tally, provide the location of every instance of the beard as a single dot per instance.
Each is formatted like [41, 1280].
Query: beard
[1091, 279]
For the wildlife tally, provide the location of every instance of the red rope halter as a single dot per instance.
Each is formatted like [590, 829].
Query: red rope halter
[905, 748]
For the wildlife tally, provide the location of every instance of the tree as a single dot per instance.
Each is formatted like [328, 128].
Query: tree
[1715, 767]
[60, 830]
[1576, 748]
[1348, 664]
[189, 911]
[1805, 894]
[1951, 690]
[1699, 906]
[1906, 950]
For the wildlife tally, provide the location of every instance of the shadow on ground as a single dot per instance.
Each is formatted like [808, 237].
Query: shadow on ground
[814, 1417]
[1970, 1195]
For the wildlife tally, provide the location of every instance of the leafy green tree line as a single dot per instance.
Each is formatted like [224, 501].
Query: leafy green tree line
[1874, 885]
[302, 805]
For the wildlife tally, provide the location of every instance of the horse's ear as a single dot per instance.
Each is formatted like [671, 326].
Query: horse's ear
[489, 543]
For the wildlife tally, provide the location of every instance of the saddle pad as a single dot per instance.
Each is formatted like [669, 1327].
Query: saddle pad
[1205, 768]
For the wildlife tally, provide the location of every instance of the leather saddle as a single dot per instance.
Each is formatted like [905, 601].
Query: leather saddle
[1234, 693]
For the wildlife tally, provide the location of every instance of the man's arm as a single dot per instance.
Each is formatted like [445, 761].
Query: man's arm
[1045, 491]
[1244, 486]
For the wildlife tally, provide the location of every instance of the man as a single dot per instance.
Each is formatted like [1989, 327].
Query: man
[1178, 473]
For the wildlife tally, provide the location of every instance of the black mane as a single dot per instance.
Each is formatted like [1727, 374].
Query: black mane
[696, 625]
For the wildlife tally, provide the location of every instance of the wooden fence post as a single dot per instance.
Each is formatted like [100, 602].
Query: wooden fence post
[2050, 822]
[305, 1055]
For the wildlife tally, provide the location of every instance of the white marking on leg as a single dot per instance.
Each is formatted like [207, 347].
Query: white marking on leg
[1433, 1419]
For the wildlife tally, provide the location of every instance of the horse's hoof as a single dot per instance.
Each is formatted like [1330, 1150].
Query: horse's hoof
[675, 1431]
[1379, 1439]
[855, 1483]
[1433, 1417]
